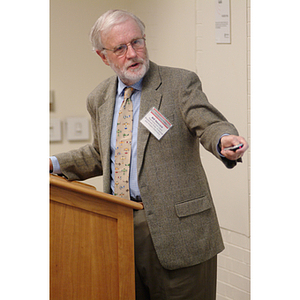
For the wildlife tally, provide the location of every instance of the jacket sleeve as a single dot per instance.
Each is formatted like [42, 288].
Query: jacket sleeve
[202, 118]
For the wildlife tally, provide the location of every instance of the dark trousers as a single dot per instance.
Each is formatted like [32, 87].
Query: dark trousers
[153, 282]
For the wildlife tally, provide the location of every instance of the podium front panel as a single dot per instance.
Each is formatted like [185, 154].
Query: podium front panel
[91, 248]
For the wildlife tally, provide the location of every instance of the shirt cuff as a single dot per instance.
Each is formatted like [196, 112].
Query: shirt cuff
[56, 166]
[218, 146]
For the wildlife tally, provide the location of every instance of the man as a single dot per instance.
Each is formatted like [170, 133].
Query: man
[177, 236]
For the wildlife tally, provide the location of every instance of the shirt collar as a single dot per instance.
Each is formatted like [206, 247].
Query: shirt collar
[121, 86]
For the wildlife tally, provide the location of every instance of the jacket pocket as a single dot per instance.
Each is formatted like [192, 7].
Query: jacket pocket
[192, 207]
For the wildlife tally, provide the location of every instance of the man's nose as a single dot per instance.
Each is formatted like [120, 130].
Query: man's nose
[130, 51]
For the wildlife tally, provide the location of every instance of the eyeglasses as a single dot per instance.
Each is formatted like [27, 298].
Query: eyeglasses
[121, 50]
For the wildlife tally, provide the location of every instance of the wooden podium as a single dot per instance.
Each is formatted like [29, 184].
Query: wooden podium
[91, 243]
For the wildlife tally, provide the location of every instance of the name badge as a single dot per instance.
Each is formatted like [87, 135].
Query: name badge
[156, 123]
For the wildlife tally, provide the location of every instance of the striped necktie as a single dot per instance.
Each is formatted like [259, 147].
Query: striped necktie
[123, 146]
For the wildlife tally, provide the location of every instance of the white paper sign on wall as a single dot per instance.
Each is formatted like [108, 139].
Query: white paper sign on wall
[222, 22]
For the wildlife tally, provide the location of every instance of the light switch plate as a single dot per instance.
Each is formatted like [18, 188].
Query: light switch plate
[77, 129]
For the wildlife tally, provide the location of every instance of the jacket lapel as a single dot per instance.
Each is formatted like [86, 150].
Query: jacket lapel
[106, 112]
[150, 97]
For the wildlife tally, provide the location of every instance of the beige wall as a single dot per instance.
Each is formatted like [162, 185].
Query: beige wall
[179, 33]
[223, 69]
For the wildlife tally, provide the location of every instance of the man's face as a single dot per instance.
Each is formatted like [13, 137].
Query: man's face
[133, 65]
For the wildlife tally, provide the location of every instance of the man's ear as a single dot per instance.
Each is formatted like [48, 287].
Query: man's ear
[103, 56]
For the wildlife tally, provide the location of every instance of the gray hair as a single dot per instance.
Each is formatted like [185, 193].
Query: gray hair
[107, 21]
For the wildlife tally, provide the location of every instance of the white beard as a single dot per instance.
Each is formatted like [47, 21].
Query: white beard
[130, 77]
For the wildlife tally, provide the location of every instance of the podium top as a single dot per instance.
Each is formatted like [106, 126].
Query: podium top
[90, 190]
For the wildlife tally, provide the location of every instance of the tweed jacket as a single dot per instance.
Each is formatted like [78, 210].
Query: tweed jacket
[172, 182]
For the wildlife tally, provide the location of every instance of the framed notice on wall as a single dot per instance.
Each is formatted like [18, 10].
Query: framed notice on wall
[222, 22]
